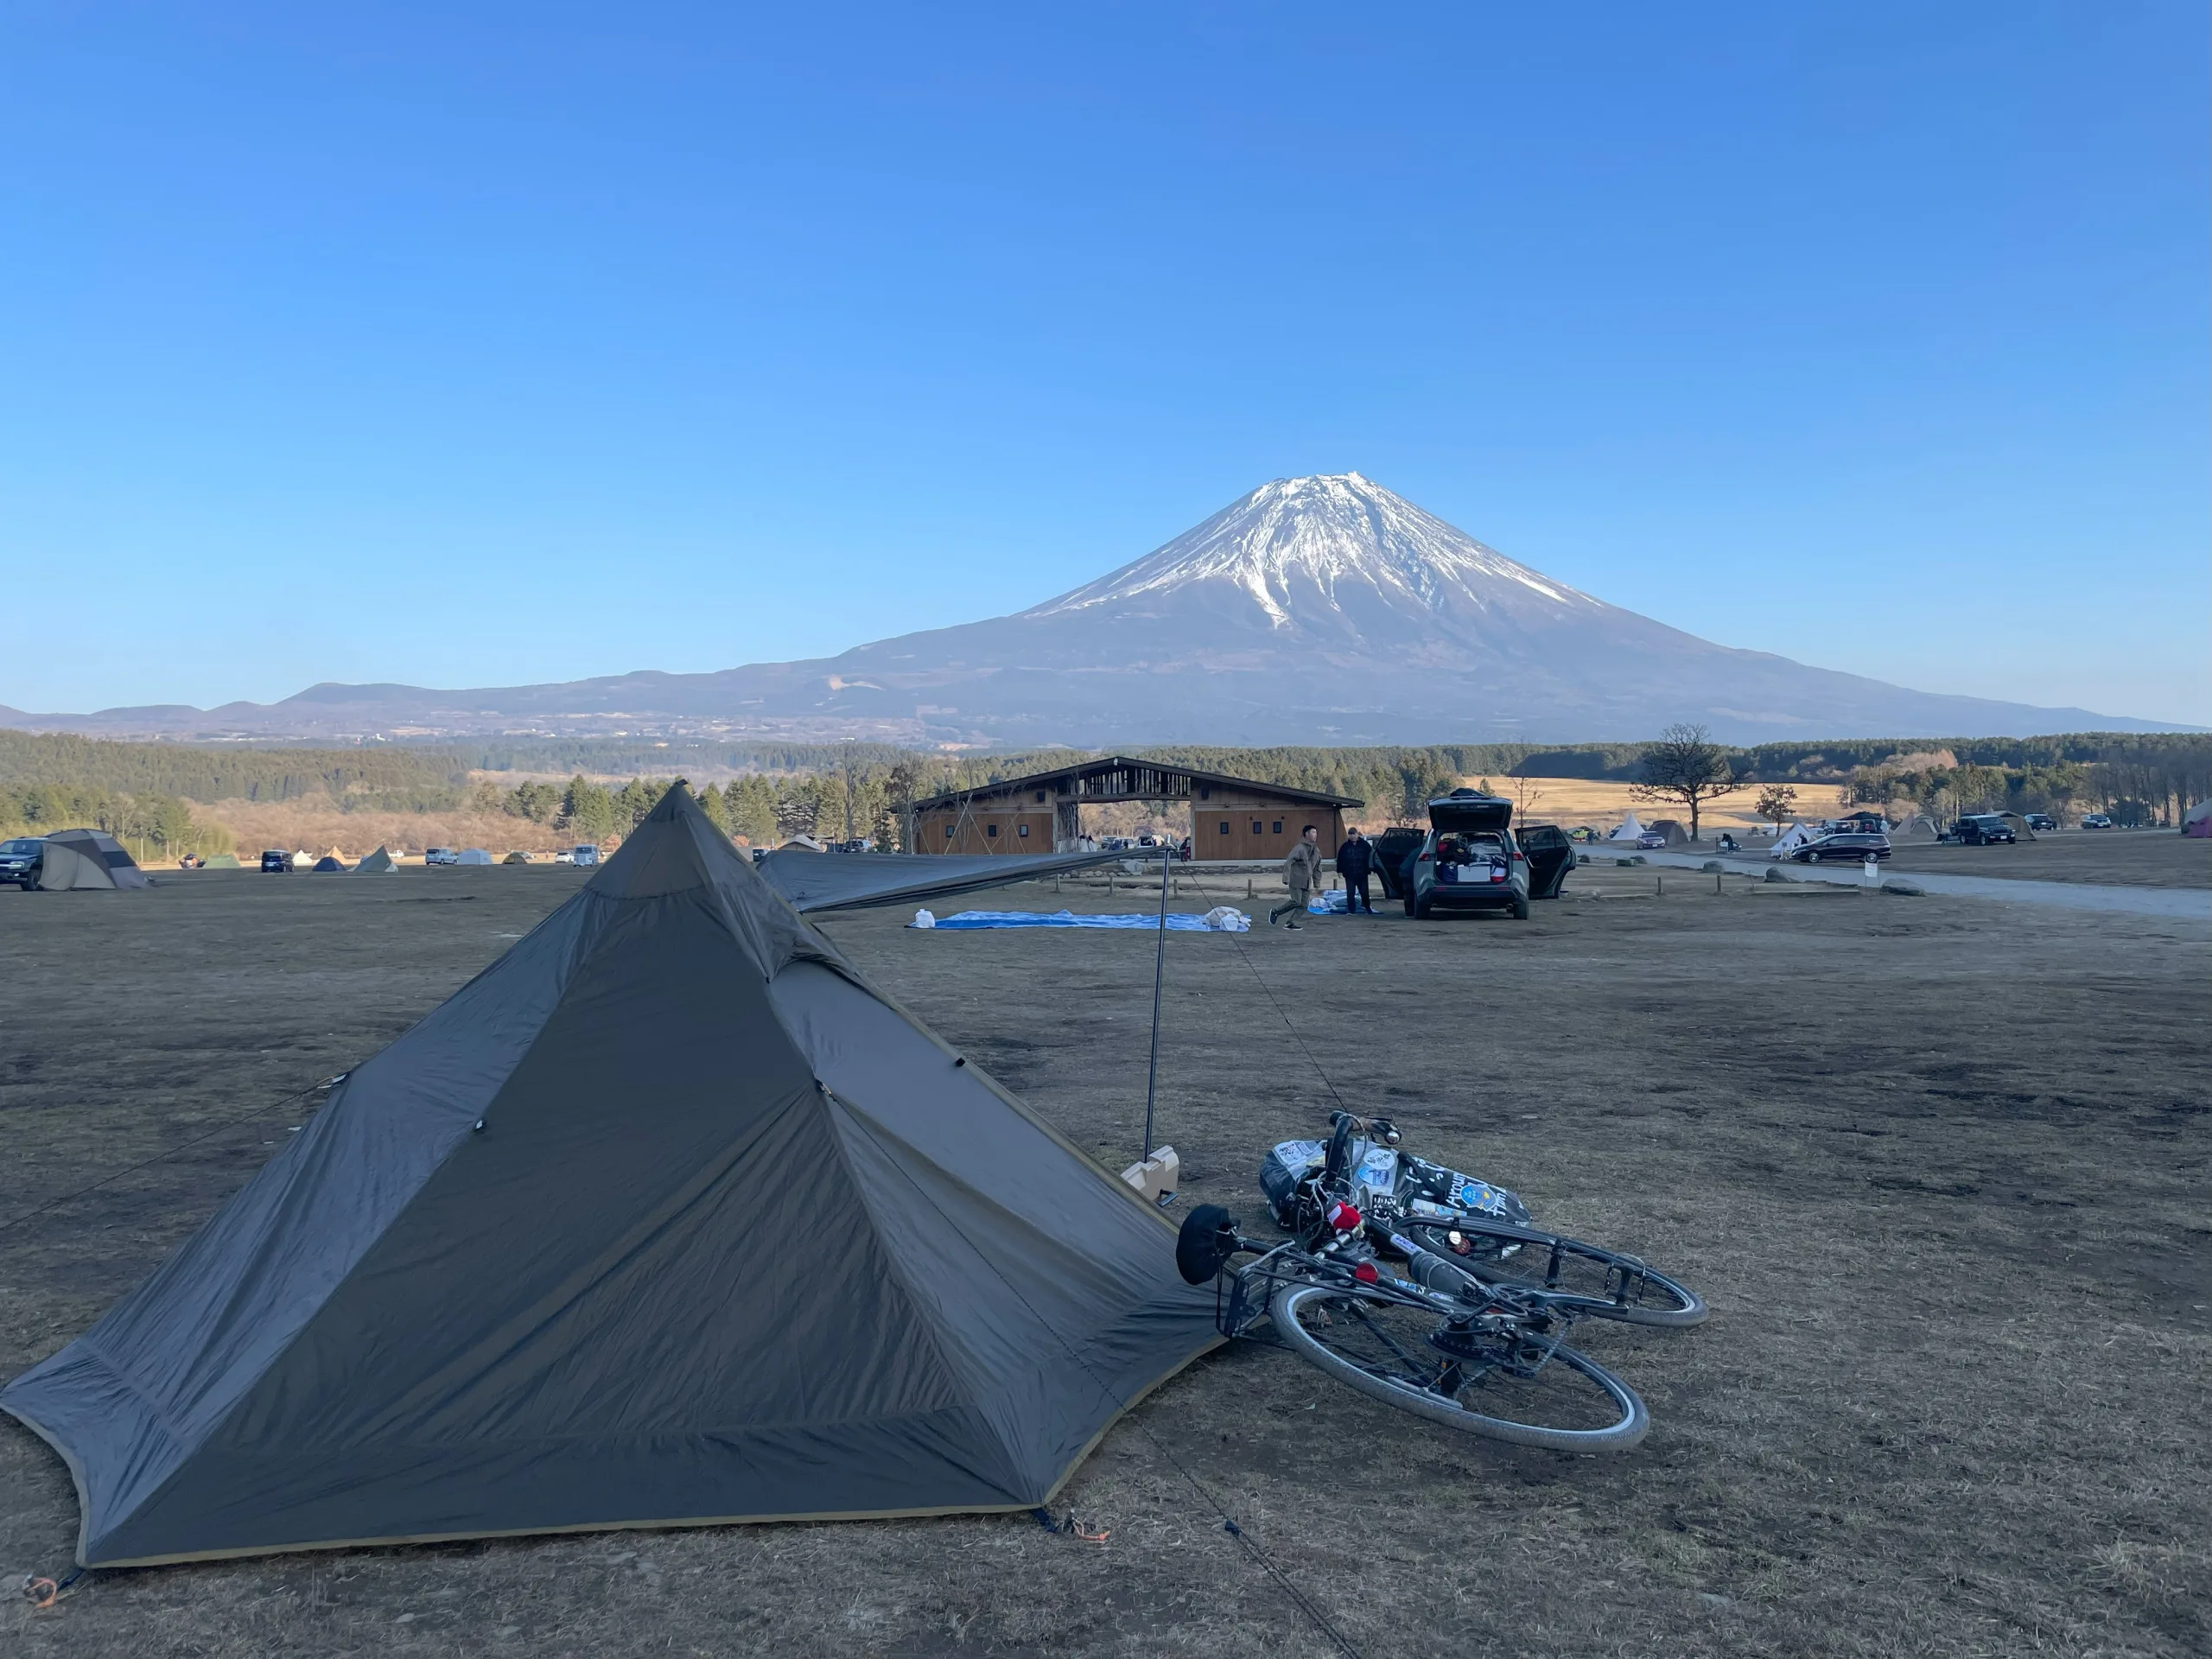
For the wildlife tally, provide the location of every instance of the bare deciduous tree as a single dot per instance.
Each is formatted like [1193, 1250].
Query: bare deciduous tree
[1685, 765]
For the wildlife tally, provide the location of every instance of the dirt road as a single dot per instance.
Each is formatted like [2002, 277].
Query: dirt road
[1939, 1166]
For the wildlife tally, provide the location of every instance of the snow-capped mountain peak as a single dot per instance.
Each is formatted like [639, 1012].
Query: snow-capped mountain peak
[1329, 538]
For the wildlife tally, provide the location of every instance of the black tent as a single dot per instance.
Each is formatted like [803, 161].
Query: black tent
[87, 858]
[814, 881]
[666, 1217]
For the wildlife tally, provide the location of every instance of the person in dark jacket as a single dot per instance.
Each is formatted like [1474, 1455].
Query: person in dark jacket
[1356, 862]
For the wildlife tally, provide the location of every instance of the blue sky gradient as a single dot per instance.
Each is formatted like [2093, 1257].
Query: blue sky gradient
[507, 343]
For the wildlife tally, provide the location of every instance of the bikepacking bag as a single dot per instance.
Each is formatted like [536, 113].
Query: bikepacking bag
[1428, 1190]
[1374, 1171]
[1281, 1172]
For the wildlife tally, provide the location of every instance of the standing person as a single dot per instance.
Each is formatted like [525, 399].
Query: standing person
[1301, 869]
[1356, 862]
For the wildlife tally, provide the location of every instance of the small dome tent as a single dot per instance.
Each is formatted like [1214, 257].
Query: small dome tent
[330, 864]
[474, 855]
[1789, 841]
[2197, 824]
[76, 860]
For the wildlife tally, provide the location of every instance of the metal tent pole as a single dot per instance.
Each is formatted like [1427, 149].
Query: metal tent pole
[1159, 975]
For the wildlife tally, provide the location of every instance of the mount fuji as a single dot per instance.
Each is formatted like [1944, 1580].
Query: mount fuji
[1319, 610]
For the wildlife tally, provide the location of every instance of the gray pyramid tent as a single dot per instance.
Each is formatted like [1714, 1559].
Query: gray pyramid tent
[666, 1217]
[87, 858]
[380, 862]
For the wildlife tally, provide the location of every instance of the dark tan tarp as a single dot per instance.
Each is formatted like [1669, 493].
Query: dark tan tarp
[77, 858]
[818, 881]
[666, 1217]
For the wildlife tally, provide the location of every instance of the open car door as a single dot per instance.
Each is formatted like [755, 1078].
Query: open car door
[1392, 849]
[1550, 855]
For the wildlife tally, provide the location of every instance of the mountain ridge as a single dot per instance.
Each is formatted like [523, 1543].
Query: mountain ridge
[1323, 608]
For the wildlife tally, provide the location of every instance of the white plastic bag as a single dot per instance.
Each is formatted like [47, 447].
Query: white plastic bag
[1226, 919]
[923, 918]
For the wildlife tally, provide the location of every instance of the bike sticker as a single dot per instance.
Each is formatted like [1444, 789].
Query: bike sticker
[1479, 1195]
[1378, 1171]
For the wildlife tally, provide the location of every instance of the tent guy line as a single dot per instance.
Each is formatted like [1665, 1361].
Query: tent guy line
[182, 1145]
[1288, 1025]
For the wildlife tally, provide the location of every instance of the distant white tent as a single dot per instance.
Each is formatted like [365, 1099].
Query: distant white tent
[1789, 841]
[302, 860]
[474, 856]
[2197, 826]
[1630, 830]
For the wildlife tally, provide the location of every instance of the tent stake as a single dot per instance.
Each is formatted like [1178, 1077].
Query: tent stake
[1159, 973]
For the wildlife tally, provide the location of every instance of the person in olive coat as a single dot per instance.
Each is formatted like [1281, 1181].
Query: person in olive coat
[1301, 873]
[1356, 862]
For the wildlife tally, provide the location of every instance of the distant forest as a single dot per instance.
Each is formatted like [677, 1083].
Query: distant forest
[143, 790]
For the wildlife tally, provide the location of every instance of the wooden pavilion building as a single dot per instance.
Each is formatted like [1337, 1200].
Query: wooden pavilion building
[1231, 817]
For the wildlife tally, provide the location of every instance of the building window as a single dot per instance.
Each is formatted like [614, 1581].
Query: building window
[1040, 794]
[1256, 826]
[1205, 791]
[1224, 826]
[1021, 829]
[1278, 826]
[991, 830]
[948, 831]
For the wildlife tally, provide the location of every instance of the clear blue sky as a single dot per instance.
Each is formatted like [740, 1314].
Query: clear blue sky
[493, 343]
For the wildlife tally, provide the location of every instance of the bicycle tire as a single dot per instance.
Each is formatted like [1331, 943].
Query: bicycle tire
[1632, 1423]
[1680, 1308]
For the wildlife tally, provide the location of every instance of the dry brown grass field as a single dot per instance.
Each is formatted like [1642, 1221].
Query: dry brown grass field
[315, 824]
[1938, 1165]
[1572, 801]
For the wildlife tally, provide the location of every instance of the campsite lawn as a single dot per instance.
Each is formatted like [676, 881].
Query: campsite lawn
[1938, 1165]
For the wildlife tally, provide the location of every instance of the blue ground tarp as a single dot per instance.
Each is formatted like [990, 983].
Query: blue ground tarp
[1177, 921]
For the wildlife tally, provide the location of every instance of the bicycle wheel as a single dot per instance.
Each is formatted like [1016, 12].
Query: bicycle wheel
[1605, 1284]
[1507, 1385]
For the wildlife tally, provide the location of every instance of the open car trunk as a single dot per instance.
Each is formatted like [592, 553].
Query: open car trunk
[1468, 813]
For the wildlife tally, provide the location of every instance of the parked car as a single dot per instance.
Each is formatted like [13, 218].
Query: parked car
[1468, 860]
[585, 855]
[2096, 821]
[441, 855]
[1852, 846]
[2041, 821]
[1983, 829]
[21, 859]
[1651, 841]
[276, 858]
